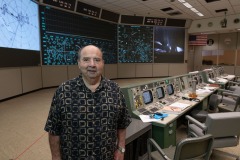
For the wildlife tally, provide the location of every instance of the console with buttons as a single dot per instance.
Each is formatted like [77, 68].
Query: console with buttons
[151, 97]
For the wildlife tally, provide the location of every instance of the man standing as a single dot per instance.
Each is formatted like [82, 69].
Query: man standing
[88, 115]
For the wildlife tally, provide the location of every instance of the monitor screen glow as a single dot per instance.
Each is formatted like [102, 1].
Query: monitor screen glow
[147, 97]
[160, 92]
[170, 89]
[19, 25]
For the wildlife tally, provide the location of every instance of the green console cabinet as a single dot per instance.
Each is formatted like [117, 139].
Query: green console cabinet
[165, 136]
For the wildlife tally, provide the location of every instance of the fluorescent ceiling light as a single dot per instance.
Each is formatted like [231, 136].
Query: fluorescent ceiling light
[187, 5]
[194, 10]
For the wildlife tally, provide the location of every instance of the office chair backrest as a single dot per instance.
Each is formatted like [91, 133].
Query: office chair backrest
[223, 124]
[213, 102]
[237, 92]
[192, 148]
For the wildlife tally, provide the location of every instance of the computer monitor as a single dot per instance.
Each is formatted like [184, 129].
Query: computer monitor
[213, 76]
[182, 83]
[160, 92]
[147, 97]
[196, 79]
[200, 79]
[170, 89]
[210, 75]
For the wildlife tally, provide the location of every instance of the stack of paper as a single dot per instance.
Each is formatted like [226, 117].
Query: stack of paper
[175, 108]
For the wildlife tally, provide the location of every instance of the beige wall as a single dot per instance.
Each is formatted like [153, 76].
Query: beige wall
[10, 82]
[228, 45]
[16, 81]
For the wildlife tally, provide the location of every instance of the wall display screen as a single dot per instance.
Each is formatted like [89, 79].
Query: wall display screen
[19, 25]
[62, 49]
[19, 30]
[147, 97]
[64, 33]
[135, 44]
[169, 45]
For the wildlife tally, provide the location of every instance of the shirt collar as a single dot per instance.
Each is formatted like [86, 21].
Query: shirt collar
[103, 83]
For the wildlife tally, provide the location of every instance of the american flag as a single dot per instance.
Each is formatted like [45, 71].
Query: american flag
[197, 40]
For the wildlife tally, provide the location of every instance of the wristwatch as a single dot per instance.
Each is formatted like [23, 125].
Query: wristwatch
[121, 149]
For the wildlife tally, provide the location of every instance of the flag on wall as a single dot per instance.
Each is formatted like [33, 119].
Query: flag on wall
[197, 40]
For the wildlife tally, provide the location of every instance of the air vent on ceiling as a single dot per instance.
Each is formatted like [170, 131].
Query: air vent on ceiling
[221, 10]
[236, 20]
[210, 24]
[210, 1]
[174, 13]
[166, 9]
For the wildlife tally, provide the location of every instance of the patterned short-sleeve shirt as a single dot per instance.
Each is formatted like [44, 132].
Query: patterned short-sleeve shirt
[86, 121]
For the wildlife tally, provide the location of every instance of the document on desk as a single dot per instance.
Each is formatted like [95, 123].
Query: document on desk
[146, 118]
[221, 80]
[202, 91]
[211, 81]
[175, 108]
[229, 77]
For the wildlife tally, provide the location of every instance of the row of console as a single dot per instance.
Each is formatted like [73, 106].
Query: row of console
[153, 96]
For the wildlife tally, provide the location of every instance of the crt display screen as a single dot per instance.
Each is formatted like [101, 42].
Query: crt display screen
[210, 75]
[160, 92]
[200, 79]
[195, 78]
[147, 97]
[170, 89]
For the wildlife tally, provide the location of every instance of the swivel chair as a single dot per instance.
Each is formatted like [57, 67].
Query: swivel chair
[212, 107]
[187, 149]
[224, 127]
[232, 85]
[229, 100]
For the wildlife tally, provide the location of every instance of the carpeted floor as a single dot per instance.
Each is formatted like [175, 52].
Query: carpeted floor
[22, 120]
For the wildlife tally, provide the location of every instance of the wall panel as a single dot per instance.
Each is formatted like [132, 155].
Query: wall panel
[160, 69]
[31, 78]
[54, 75]
[10, 82]
[111, 71]
[144, 70]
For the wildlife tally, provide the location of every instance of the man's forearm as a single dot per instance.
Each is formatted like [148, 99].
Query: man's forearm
[54, 142]
[121, 137]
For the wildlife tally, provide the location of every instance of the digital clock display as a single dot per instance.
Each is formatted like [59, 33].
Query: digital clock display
[88, 9]
[66, 4]
[154, 21]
